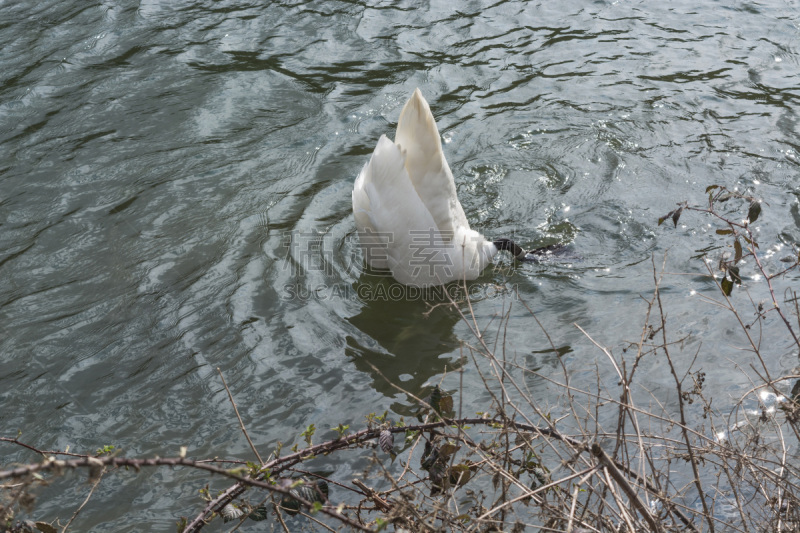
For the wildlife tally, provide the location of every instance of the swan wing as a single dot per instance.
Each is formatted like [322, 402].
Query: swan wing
[418, 138]
[368, 236]
[393, 222]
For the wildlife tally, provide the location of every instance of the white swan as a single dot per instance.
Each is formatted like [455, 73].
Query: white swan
[407, 213]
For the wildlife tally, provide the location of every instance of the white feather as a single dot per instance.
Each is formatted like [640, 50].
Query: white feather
[406, 209]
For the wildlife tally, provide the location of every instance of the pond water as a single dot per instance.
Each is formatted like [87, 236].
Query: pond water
[175, 184]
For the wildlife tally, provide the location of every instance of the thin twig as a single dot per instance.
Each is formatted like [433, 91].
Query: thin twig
[241, 423]
[88, 496]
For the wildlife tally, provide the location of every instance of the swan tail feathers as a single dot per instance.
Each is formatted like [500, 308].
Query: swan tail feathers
[418, 138]
[416, 129]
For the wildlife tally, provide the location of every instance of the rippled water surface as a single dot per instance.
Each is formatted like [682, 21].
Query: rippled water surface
[175, 186]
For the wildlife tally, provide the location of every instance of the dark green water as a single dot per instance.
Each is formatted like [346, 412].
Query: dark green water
[175, 186]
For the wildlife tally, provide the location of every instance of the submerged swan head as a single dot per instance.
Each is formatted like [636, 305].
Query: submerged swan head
[407, 212]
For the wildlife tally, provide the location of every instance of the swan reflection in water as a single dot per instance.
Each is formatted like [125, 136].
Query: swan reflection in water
[405, 340]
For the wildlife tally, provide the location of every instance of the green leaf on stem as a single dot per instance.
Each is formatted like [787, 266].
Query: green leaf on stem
[754, 211]
[727, 286]
[446, 406]
[734, 273]
[676, 215]
[308, 433]
[447, 449]
[461, 473]
[289, 505]
[258, 514]
[435, 397]
[386, 441]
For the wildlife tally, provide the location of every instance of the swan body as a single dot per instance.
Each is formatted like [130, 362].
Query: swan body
[407, 212]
